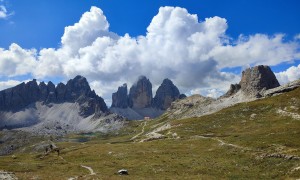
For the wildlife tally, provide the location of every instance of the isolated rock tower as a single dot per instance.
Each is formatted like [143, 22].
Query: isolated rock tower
[120, 98]
[257, 79]
[140, 94]
[165, 95]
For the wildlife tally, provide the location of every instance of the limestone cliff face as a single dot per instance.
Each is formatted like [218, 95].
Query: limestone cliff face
[76, 90]
[258, 79]
[139, 103]
[140, 94]
[120, 98]
[165, 95]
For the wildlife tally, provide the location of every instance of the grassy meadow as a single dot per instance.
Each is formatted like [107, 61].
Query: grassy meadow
[254, 140]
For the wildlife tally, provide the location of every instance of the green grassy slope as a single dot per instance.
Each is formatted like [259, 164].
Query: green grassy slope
[255, 140]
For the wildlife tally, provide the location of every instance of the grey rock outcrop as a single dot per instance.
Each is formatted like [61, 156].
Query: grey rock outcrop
[191, 106]
[257, 79]
[234, 88]
[76, 90]
[51, 93]
[282, 89]
[140, 94]
[165, 95]
[120, 98]
[60, 92]
[43, 91]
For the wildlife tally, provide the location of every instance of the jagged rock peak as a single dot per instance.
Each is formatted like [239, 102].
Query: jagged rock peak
[257, 79]
[140, 94]
[165, 95]
[76, 87]
[120, 98]
[76, 90]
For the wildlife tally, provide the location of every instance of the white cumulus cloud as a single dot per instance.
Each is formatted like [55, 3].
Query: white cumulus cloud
[256, 49]
[177, 45]
[291, 74]
[17, 61]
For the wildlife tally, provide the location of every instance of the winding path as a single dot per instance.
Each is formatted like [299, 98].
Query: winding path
[143, 130]
[222, 143]
[86, 167]
[90, 169]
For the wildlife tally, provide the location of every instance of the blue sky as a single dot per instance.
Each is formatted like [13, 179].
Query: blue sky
[40, 24]
[34, 26]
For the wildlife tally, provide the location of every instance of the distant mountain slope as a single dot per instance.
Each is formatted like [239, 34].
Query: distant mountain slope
[45, 108]
[250, 140]
[255, 83]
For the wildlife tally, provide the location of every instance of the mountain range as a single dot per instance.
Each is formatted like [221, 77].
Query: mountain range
[68, 132]
[74, 107]
[46, 109]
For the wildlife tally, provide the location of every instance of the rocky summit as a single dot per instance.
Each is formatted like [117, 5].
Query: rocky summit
[257, 79]
[120, 98]
[76, 90]
[165, 95]
[139, 103]
[140, 94]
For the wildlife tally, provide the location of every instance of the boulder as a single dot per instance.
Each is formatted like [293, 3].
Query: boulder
[123, 172]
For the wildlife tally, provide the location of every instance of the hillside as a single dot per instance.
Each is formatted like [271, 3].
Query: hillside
[251, 140]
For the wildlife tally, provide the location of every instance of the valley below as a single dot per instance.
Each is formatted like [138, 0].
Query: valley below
[250, 140]
[149, 90]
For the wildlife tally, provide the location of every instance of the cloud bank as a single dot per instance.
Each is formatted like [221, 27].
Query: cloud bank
[177, 45]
